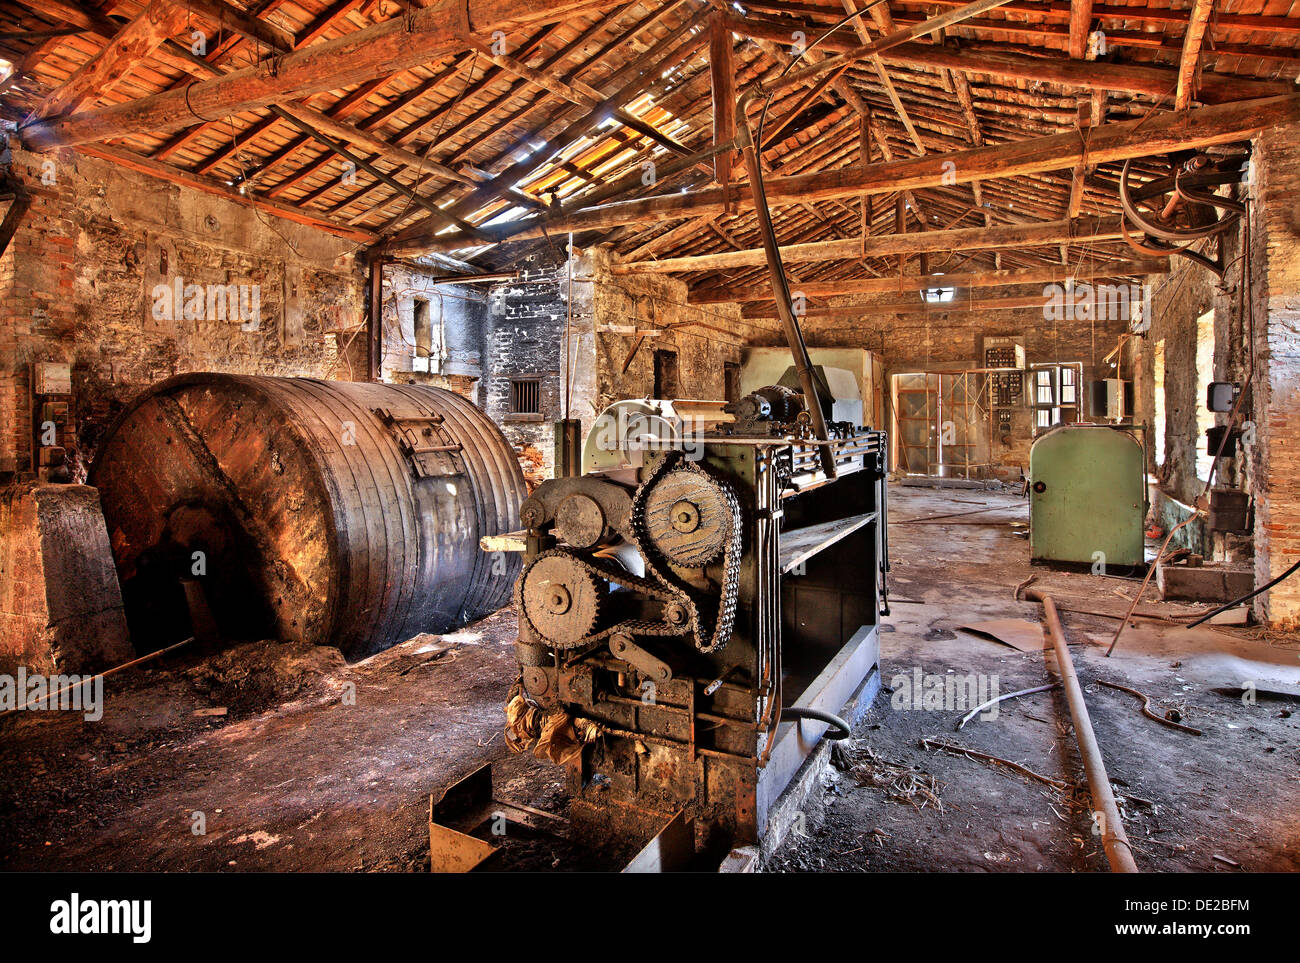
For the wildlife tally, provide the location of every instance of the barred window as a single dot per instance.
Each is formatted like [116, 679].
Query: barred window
[525, 396]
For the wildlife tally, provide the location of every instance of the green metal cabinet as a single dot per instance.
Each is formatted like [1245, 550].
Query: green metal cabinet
[1087, 495]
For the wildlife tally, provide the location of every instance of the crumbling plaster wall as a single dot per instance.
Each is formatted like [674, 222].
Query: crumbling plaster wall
[458, 319]
[77, 286]
[705, 337]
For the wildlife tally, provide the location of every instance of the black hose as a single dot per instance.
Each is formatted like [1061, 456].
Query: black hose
[790, 713]
[1245, 598]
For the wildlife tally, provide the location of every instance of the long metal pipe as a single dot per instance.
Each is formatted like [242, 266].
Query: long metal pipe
[781, 290]
[1113, 838]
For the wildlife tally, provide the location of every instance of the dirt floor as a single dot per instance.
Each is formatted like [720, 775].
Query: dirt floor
[1225, 801]
[318, 765]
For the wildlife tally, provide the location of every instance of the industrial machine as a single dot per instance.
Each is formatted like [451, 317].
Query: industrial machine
[329, 512]
[1088, 497]
[693, 606]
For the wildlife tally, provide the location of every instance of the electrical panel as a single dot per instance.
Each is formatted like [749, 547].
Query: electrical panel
[1003, 352]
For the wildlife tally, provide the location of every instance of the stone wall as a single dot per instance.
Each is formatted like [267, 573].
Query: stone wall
[457, 319]
[82, 280]
[704, 337]
[953, 341]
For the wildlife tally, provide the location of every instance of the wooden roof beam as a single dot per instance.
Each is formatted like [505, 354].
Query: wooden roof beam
[105, 70]
[428, 34]
[1090, 75]
[1203, 127]
[1189, 62]
[1085, 231]
[975, 279]
[1080, 27]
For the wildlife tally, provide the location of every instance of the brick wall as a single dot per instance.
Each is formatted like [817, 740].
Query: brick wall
[1275, 461]
[77, 285]
[524, 336]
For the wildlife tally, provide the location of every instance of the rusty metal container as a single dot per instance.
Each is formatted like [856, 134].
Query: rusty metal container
[337, 513]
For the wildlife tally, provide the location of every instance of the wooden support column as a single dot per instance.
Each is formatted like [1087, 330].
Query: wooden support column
[375, 317]
[1080, 24]
[722, 76]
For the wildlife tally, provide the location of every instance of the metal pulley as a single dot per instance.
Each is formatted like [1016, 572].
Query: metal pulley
[1173, 211]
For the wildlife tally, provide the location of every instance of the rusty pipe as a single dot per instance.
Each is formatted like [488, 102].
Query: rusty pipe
[781, 290]
[1113, 838]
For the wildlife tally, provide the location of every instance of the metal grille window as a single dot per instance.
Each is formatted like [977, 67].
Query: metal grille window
[525, 396]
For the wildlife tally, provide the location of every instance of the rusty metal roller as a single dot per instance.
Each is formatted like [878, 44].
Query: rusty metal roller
[330, 512]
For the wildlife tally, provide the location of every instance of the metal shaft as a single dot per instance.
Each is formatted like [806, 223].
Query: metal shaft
[781, 291]
[1113, 838]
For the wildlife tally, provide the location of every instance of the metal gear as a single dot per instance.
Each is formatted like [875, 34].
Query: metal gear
[710, 619]
[561, 598]
[689, 518]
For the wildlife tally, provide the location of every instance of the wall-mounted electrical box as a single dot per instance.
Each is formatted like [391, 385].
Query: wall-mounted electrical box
[1220, 395]
[1112, 399]
[51, 419]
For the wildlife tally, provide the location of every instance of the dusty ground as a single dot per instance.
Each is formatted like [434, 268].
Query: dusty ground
[1232, 792]
[318, 765]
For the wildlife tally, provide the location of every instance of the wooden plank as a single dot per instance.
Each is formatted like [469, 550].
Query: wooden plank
[1080, 24]
[879, 309]
[428, 34]
[1085, 231]
[722, 87]
[1188, 63]
[229, 17]
[800, 544]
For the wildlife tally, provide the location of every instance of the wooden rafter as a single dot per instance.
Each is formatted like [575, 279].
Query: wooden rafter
[1204, 127]
[428, 34]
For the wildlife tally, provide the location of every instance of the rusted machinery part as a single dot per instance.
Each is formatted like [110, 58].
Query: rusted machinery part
[711, 627]
[1113, 838]
[561, 598]
[1163, 227]
[319, 519]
